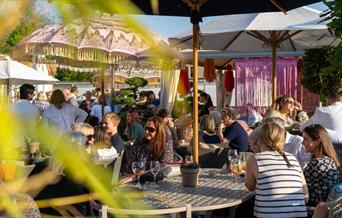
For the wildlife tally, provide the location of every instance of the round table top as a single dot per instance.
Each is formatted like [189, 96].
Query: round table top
[213, 192]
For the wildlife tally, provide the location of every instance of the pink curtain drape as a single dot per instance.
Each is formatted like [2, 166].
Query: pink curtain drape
[254, 80]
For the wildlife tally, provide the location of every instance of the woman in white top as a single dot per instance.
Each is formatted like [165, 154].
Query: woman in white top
[62, 115]
[276, 177]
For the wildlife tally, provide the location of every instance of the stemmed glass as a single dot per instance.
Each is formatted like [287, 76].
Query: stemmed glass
[154, 167]
[138, 169]
[235, 168]
[233, 158]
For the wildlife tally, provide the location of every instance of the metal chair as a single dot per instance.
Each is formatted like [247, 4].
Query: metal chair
[116, 168]
[105, 210]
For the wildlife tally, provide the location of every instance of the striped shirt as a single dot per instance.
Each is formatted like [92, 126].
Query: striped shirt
[279, 189]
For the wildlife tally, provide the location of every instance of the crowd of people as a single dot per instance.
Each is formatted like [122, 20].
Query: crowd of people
[288, 171]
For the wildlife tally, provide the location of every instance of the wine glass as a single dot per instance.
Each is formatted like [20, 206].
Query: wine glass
[232, 156]
[154, 167]
[243, 161]
[235, 168]
[138, 169]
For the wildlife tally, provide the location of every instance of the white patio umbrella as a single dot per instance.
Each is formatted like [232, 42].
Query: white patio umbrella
[15, 73]
[261, 33]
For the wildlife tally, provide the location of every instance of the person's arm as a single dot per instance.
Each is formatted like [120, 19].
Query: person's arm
[220, 134]
[80, 115]
[305, 189]
[251, 173]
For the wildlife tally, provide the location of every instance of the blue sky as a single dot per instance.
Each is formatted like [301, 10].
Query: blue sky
[164, 25]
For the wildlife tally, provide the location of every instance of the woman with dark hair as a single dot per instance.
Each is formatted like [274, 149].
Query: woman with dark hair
[152, 146]
[61, 115]
[324, 170]
[134, 130]
[276, 177]
[206, 100]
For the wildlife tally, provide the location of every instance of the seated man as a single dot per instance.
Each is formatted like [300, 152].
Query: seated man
[230, 131]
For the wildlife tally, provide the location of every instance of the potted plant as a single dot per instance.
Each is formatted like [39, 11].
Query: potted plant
[190, 172]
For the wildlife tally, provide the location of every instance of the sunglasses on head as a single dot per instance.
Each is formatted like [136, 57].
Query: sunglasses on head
[290, 101]
[150, 129]
[89, 137]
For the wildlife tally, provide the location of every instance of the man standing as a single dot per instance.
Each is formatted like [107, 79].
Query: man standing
[230, 131]
[330, 117]
[28, 113]
[70, 95]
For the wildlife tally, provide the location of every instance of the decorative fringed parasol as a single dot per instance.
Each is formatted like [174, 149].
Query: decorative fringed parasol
[183, 84]
[229, 79]
[209, 70]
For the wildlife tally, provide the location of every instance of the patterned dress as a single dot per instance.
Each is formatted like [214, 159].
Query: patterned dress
[140, 152]
[321, 175]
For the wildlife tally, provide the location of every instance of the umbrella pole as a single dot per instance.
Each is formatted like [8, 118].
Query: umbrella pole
[102, 93]
[274, 72]
[195, 29]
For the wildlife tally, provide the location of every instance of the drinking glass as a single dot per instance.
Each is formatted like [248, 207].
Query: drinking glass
[154, 167]
[138, 169]
[243, 161]
[233, 157]
[189, 159]
[235, 168]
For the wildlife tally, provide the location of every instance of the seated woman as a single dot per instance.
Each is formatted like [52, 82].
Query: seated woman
[276, 177]
[103, 152]
[152, 146]
[323, 171]
[207, 133]
[283, 108]
[134, 130]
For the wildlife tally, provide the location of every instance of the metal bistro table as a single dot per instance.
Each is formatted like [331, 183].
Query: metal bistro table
[214, 192]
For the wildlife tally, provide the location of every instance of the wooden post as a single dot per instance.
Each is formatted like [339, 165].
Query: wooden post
[102, 91]
[274, 64]
[195, 29]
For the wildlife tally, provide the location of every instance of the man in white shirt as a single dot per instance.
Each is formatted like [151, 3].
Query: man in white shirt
[293, 143]
[330, 117]
[27, 112]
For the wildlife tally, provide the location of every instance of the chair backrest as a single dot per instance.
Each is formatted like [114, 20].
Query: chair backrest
[105, 209]
[116, 168]
[336, 209]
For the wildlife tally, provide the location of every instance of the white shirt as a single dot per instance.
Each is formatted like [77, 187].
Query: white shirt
[96, 111]
[294, 145]
[64, 118]
[26, 111]
[330, 117]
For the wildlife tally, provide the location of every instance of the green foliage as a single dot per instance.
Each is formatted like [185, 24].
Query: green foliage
[136, 82]
[68, 75]
[320, 73]
[146, 93]
[31, 21]
[336, 15]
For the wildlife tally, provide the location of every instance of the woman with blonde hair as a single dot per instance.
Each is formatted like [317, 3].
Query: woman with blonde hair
[276, 177]
[207, 133]
[283, 107]
[324, 170]
[153, 146]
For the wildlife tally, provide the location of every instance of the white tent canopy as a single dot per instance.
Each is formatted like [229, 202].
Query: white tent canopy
[270, 32]
[16, 73]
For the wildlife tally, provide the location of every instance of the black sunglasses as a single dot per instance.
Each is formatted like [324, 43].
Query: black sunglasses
[150, 129]
[89, 137]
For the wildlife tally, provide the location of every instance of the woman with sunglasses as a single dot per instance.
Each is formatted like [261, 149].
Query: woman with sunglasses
[324, 170]
[283, 108]
[153, 146]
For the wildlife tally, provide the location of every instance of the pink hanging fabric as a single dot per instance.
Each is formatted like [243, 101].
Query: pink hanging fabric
[254, 80]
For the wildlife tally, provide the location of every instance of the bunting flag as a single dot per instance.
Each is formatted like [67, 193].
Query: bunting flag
[183, 84]
[209, 70]
[229, 79]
